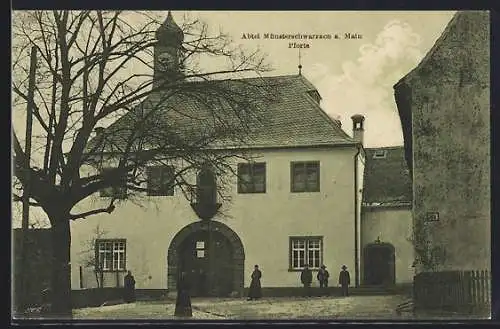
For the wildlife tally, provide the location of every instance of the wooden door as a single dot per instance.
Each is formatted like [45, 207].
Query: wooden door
[208, 261]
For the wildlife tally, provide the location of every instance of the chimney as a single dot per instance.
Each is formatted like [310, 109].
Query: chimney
[98, 130]
[358, 129]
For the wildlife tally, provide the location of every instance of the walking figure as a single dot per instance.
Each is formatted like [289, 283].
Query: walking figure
[323, 276]
[344, 281]
[183, 302]
[129, 288]
[255, 291]
[306, 279]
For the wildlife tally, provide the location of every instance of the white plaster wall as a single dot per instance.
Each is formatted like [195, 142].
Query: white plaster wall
[264, 222]
[392, 225]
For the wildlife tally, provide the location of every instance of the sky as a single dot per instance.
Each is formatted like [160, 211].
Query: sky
[353, 76]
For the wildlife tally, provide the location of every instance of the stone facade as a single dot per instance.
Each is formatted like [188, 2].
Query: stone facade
[445, 112]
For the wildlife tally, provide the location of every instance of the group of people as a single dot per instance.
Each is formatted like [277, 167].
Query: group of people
[183, 304]
[306, 279]
[322, 277]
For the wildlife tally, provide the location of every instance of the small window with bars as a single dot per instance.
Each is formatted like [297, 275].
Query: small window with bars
[379, 154]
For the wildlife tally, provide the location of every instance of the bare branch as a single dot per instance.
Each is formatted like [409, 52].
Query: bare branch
[108, 210]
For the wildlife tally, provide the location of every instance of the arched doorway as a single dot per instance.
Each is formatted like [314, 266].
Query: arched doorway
[379, 264]
[213, 257]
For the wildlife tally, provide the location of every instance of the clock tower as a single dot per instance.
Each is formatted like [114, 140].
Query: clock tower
[167, 51]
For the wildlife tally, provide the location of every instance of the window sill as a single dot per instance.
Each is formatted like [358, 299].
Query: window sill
[252, 192]
[111, 271]
[305, 191]
[301, 269]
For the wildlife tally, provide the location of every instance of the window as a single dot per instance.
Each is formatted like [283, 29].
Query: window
[110, 255]
[315, 95]
[160, 180]
[252, 178]
[305, 176]
[306, 250]
[379, 154]
[119, 191]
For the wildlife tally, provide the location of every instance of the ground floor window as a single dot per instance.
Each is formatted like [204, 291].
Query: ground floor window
[306, 250]
[111, 255]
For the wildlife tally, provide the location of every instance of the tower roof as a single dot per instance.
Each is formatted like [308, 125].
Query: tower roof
[169, 31]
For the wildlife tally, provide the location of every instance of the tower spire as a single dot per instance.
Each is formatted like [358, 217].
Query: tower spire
[300, 64]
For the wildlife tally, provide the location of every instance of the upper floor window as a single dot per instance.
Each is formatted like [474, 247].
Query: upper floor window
[110, 255]
[160, 180]
[305, 176]
[306, 250]
[252, 177]
[118, 191]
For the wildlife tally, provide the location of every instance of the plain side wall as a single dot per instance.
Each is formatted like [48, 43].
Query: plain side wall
[451, 145]
[264, 222]
[394, 226]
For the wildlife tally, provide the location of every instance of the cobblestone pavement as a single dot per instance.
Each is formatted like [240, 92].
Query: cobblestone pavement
[322, 308]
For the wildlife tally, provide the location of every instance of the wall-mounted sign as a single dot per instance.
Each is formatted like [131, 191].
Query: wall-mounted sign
[432, 216]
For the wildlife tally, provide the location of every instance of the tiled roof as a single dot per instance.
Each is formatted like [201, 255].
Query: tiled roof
[286, 114]
[386, 179]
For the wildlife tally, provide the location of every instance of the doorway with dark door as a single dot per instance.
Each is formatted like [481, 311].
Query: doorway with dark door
[207, 258]
[379, 264]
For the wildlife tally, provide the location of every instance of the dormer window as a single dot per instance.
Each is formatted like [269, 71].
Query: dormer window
[315, 95]
[380, 154]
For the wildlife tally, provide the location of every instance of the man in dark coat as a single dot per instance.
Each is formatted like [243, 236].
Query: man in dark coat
[129, 288]
[255, 290]
[344, 281]
[306, 279]
[183, 302]
[322, 277]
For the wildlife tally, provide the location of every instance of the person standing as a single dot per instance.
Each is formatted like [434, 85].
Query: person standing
[322, 277]
[183, 302]
[306, 279]
[344, 281]
[255, 290]
[129, 288]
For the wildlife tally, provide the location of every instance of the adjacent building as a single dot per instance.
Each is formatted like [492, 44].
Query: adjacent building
[386, 218]
[444, 105]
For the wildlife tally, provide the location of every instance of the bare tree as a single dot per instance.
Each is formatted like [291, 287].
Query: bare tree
[90, 259]
[95, 69]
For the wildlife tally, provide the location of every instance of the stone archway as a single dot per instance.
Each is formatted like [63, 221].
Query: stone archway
[202, 227]
[379, 268]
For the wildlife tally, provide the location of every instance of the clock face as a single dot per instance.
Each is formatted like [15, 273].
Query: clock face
[165, 61]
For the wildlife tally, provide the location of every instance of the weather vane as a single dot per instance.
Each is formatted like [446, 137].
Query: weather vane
[300, 65]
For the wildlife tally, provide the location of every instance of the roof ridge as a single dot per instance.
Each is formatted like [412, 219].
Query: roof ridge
[259, 77]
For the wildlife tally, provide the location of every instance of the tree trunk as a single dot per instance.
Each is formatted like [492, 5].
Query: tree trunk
[61, 305]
